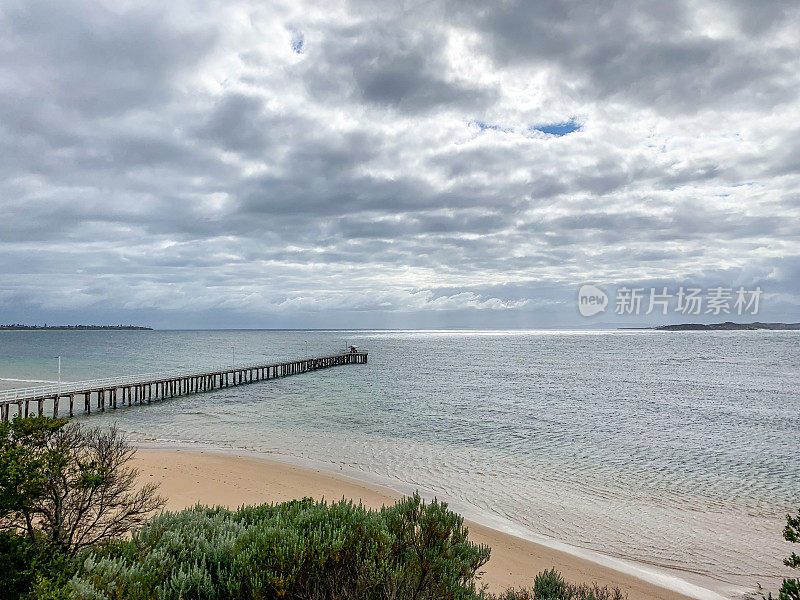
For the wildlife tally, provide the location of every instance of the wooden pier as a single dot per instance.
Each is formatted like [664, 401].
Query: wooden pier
[109, 393]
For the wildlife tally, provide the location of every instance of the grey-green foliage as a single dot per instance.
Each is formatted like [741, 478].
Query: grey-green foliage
[790, 590]
[550, 585]
[299, 549]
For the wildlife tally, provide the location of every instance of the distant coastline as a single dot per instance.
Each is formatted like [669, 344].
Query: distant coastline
[18, 327]
[727, 326]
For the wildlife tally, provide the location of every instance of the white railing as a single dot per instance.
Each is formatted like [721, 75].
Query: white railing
[68, 387]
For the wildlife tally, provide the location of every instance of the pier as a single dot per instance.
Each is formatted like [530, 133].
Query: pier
[104, 394]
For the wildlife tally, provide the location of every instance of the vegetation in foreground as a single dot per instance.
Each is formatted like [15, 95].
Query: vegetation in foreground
[64, 490]
[298, 549]
[305, 550]
[790, 590]
[74, 526]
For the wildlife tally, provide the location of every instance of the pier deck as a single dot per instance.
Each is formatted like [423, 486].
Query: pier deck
[141, 389]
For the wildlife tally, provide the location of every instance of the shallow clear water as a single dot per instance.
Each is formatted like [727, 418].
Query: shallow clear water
[678, 449]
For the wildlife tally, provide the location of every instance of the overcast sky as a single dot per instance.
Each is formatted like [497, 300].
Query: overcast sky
[367, 164]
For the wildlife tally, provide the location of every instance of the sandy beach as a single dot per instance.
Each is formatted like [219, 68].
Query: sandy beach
[189, 477]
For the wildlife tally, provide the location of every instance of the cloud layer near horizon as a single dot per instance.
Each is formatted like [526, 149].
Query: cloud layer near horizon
[244, 163]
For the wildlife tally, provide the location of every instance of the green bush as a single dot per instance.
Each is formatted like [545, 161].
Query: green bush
[298, 549]
[790, 590]
[71, 486]
[33, 570]
[550, 585]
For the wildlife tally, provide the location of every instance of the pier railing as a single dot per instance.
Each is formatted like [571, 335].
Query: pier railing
[147, 386]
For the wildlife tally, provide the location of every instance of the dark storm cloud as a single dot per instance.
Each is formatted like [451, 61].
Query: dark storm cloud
[265, 163]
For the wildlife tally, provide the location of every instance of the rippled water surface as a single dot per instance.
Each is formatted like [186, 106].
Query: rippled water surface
[678, 449]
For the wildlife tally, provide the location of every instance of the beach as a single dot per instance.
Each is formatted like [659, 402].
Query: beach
[674, 461]
[189, 477]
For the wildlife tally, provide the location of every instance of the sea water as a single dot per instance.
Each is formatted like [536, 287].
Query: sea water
[674, 450]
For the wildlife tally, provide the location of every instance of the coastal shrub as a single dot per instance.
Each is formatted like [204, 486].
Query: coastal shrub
[63, 488]
[431, 550]
[551, 585]
[790, 590]
[592, 591]
[299, 549]
[69, 485]
[33, 570]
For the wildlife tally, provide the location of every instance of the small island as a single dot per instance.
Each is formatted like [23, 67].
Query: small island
[729, 326]
[46, 327]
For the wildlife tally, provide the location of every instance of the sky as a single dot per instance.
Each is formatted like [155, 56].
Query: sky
[201, 164]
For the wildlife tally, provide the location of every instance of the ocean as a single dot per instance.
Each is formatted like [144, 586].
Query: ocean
[671, 452]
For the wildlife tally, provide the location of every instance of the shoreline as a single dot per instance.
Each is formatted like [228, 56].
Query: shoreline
[234, 477]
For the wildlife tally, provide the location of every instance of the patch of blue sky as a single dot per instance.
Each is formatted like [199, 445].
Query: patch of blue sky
[298, 42]
[558, 129]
